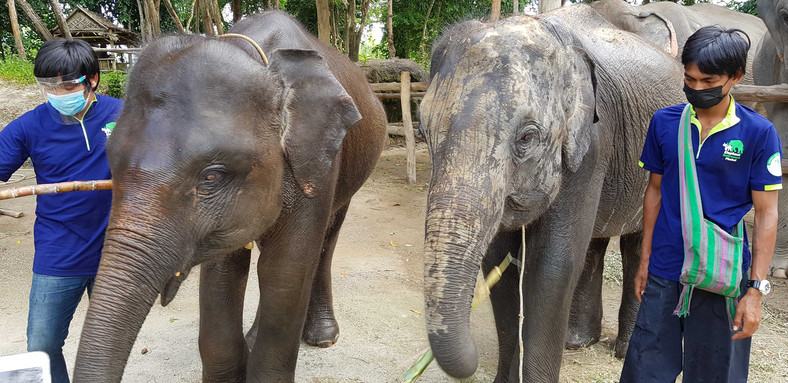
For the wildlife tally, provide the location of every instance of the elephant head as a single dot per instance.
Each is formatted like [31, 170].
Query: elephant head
[651, 25]
[210, 145]
[775, 15]
[509, 112]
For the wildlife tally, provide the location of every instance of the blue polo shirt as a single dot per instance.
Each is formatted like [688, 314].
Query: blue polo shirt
[742, 153]
[69, 228]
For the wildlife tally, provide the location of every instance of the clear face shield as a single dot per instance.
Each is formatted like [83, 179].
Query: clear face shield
[68, 94]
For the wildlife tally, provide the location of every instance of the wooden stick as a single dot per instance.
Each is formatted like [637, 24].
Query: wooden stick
[396, 86]
[388, 96]
[410, 139]
[60, 187]
[771, 93]
[11, 213]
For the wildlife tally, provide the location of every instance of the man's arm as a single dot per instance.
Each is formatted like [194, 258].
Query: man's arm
[651, 202]
[748, 311]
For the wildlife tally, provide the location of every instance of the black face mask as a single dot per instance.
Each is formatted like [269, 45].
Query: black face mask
[704, 99]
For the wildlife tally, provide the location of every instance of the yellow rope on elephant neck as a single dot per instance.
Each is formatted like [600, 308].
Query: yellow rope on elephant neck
[254, 43]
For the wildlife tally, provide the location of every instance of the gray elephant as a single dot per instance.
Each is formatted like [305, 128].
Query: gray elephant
[213, 150]
[769, 69]
[669, 25]
[535, 122]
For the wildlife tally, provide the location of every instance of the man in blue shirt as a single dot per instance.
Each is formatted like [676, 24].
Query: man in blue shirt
[66, 139]
[737, 157]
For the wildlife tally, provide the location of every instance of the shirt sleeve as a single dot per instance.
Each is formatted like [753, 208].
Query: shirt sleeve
[766, 168]
[651, 158]
[13, 151]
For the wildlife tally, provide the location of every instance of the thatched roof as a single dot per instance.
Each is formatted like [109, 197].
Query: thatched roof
[95, 28]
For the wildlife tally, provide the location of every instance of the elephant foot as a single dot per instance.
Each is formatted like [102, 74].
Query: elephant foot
[577, 341]
[321, 333]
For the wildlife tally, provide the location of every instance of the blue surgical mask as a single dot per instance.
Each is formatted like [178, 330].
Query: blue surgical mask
[68, 104]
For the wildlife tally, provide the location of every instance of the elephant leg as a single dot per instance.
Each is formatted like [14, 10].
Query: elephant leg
[321, 328]
[628, 311]
[289, 256]
[585, 319]
[504, 297]
[222, 347]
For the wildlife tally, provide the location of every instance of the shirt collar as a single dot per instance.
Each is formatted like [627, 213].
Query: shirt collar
[730, 119]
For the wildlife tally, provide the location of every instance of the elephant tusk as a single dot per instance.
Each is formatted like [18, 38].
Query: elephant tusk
[249, 246]
[178, 274]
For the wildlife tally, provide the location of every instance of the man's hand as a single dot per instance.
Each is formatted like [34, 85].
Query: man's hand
[641, 278]
[748, 311]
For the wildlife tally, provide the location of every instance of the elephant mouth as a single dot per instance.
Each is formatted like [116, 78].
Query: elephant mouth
[171, 287]
[527, 202]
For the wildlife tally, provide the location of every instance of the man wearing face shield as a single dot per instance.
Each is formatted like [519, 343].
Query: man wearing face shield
[699, 284]
[65, 138]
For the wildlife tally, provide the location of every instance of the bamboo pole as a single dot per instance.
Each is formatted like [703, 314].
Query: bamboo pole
[61, 20]
[410, 139]
[396, 86]
[15, 30]
[770, 93]
[390, 96]
[11, 213]
[31, 14]
[60, 187]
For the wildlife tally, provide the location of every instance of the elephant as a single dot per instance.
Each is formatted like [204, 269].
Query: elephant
[669, 25]
[770, 69]
[215, 148]
[535, 124]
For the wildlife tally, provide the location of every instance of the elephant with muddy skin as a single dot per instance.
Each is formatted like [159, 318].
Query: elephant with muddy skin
[215, 149]
[536, 122]
[770, 68]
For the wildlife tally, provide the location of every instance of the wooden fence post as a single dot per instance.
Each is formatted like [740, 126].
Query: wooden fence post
[407, 124]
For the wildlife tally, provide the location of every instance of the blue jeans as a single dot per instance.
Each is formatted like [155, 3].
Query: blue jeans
[53, 301]
[655, 353]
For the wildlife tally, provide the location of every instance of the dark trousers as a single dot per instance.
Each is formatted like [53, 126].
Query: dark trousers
[655, 353]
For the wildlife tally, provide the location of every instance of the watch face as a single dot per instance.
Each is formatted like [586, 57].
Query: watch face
[766, 287]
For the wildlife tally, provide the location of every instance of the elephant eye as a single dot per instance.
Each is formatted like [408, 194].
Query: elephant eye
[527, 137]
[212, 176]
[784, 16]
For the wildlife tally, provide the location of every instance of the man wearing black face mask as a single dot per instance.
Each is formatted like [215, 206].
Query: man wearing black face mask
[711, 161]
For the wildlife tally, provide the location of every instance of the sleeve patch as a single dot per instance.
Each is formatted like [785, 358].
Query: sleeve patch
[773, 187]
[774, 166]
[640, 163]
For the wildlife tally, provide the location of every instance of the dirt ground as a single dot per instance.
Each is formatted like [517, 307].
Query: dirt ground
[377, 276]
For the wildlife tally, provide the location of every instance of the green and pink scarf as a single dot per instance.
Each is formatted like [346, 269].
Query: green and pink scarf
[712, 257]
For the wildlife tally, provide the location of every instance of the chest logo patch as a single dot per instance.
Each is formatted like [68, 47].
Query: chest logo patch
[733, 150]
[774, 166]
[107, 129]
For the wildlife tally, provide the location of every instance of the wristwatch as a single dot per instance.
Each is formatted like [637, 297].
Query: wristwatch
[763, 286]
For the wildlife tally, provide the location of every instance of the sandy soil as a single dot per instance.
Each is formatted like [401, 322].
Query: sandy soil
[378, 297]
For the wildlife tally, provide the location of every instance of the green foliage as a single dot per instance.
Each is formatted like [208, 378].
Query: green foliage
[113, 84]
[17, 70]
[749, 6]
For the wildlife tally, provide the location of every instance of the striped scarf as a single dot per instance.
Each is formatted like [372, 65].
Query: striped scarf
[712, 257]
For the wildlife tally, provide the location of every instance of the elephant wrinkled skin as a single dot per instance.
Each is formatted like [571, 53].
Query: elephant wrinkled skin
[536, 122]
[213, 150]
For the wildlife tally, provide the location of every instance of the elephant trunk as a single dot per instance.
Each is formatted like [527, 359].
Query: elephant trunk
[128, 281]
[460, 227]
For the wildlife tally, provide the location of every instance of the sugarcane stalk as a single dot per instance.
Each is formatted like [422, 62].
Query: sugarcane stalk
[490, 280]
[60, 187]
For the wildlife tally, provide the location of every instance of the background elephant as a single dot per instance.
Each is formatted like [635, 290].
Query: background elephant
[536, 122]
[659, 21]
[769, 69]
[213, 150]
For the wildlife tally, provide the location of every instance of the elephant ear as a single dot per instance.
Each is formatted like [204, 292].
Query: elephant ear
[580, 106]
[317, 113]
[658, 30]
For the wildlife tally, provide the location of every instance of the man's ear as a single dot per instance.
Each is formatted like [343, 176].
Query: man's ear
[94, 81]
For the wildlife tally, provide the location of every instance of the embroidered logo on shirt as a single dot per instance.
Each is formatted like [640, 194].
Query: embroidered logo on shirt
[107, 129]
[733, 150]
[774, 166]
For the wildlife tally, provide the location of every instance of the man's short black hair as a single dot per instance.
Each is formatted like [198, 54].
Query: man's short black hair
[61, 57]
[717, 51]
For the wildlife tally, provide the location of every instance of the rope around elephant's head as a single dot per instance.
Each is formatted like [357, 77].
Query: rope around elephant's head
[254, 43]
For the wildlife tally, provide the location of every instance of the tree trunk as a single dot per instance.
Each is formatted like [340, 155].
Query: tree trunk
[41, 28]
[61, 20]
[174, 16]
[237, 10]
[350, 26]
[495, 13]
[152, 18]
[548, 5]
[424, 30]
[516, 7]
[267, 4]
[276, 4]
[338, 43]
[323, 23]
[194, 9]
[144, 29]
[217, 16]
[207, 21]
[392, 50]
[15, 29]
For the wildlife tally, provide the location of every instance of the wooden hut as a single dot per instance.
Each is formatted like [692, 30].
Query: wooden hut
[100, 33]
